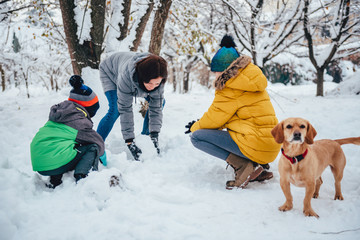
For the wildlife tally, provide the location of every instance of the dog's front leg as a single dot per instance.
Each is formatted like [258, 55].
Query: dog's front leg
[310, 189]
[285, 186]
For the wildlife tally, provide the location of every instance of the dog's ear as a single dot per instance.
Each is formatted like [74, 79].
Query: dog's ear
[278, 133]
[310, 134]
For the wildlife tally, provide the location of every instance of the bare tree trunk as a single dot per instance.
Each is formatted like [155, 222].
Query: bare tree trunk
[97, 31]
[173, 72]
[70, 28]
[56, 85]
[16, 81]
[320, 82]
[126, 14]
[205, 77]
[52, 80]
[26, 82]
[2, 73]
[88, 53]
[174, 82]
[187, 71]
[308, 37]
[186, 80]
[158, 27]
[344, 6]
[141, 27]
[255, 12]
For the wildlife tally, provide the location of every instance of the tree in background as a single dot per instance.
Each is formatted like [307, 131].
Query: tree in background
[126, 22]
[33, 48]
[84, 42]
[7, 8]
[158, 26]
[82, 29]
[264, 28]
[188, 42]
[341, 22]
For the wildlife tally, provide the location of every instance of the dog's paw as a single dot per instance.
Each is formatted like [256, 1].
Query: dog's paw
[310, 213]
[338, 197]
[316, 195]
[286, 207]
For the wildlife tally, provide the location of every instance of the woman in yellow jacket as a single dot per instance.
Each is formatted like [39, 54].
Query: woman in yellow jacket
[237, 126]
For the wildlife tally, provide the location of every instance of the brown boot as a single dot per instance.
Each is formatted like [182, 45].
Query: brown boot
[265, 175]
[244, 171]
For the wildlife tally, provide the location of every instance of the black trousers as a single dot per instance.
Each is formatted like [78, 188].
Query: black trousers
[86, 159]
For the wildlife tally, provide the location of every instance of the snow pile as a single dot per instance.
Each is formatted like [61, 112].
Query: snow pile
[349, 87]
[179, 194]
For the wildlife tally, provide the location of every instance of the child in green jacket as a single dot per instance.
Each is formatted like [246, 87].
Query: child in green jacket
[67, 141]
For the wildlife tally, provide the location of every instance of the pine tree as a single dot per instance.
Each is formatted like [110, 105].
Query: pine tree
[15, 44]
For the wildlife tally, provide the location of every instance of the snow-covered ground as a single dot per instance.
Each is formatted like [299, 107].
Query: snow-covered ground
[181, 193]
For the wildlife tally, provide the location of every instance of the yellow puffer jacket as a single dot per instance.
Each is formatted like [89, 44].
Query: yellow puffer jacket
[243, 107]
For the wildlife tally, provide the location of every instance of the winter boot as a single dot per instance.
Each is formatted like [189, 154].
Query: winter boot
[79, 176]
[55, 180]
[244, 171]
[265, 175]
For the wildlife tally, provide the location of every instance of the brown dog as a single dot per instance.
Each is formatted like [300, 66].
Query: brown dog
[303, 160]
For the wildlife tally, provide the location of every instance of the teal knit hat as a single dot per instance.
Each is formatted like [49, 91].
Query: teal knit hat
[225, 55]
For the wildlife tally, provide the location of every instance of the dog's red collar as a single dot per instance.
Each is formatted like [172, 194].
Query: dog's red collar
[295, 159]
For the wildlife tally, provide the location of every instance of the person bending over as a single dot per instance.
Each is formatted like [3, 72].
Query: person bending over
[128, 75]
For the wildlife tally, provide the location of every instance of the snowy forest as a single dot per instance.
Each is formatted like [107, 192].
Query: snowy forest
[318, 36]
[309, 51]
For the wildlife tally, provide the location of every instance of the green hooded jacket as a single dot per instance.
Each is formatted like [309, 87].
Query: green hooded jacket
[54, 144]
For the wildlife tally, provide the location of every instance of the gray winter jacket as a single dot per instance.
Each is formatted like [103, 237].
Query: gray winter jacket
[117, 73]
[76, 116]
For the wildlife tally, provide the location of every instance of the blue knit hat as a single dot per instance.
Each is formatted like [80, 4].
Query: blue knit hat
[83, 95]
[225, 55]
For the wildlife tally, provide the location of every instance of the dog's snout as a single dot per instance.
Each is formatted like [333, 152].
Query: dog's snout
[297, 136]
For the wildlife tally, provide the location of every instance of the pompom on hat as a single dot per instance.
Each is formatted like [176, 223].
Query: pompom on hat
[83, 95]
[225, 55]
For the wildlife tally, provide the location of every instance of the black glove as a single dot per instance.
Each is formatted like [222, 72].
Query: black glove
[135, 151]
[155, 139]
[189, 125]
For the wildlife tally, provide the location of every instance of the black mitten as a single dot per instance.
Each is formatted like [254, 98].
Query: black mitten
[135, 151]
[189, 125]
[155, 139]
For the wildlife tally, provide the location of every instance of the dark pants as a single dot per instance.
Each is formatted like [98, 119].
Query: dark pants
[86, 159]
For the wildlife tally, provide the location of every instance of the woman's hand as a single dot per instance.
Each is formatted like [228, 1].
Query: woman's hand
[135, 150]
[189, 125]
[155, 139]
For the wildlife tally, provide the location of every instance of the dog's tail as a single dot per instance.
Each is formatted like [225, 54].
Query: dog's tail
[353, 140]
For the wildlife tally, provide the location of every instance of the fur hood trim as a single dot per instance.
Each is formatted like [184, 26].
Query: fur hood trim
[240, 63]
